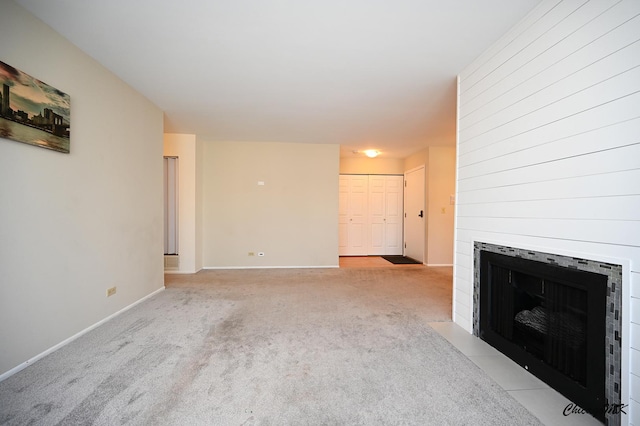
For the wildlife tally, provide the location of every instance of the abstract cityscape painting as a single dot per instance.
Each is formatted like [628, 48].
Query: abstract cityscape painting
[32, 111]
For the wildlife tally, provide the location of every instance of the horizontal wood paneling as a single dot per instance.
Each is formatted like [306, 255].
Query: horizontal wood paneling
[635, 282]
[607, 232]
[515, 52]
[614, 184]
[463, 310]
[589, 43]
[549, 146]
[634, 332]
[634, 407]
[563, 74]
[585, 249]
[635, 311]
[530, 151]
[635, 384]
[477, 70]
[635, 367]
[548, 123]
[615, 208]
[634, 413]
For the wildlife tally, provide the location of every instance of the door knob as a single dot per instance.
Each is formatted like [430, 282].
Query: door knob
[421, 214]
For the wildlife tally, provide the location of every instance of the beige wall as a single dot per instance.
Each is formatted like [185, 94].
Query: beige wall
[292, 218]
[75, 224]
[418, 159]
[441, 175]
[183, 146]
[371, 166]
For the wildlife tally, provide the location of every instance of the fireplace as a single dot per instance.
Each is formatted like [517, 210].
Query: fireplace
[556, 316]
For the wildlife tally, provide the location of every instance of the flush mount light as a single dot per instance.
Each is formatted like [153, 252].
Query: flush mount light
[371, 153]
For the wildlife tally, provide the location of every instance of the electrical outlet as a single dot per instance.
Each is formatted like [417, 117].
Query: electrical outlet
[260, 253]
[251, 254]
[111, 291]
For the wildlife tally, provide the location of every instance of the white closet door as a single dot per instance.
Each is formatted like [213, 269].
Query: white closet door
[353, 215]
[385, 215]
[377, 213]
[393, 215]
[370, 215]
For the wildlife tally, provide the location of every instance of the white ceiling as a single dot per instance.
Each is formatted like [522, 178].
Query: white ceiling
[359, 73]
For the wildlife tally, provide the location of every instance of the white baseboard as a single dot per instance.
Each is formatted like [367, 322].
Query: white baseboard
[176, 272]
[270, 267]
[52, 349]
[439, 264]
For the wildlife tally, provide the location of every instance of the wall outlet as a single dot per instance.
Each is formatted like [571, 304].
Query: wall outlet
[111, 291]
[260, 253]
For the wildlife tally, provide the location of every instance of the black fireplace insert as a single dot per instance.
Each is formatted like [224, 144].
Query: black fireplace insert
[550, 320]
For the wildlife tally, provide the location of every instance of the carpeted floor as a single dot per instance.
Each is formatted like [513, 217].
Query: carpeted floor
[269, 347]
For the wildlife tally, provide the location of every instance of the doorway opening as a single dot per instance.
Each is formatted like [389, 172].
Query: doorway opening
[171, 258]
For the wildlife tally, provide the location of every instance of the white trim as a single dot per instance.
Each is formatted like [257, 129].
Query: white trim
[439, 264]
[52, 349]
[268, 267]
[173, 271]
[454, 298]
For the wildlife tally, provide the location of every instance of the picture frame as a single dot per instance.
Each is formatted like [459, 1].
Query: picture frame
[32, 111]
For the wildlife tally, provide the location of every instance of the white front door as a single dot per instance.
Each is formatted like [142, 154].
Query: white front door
[414, 212]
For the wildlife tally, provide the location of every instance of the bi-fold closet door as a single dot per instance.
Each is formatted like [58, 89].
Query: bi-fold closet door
[370, 215]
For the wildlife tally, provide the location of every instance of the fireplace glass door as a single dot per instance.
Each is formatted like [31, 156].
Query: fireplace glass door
[550, 320]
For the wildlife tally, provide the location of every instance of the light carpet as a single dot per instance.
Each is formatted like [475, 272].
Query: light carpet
[269, 347]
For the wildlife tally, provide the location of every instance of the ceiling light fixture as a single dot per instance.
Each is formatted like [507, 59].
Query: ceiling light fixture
[371, 153]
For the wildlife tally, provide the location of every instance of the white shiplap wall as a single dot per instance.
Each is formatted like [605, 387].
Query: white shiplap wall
[549, 150]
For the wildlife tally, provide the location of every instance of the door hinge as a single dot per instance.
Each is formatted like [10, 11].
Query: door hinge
[405, 183]
[405, 245]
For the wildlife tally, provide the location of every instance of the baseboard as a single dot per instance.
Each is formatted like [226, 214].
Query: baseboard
[270, 267]
[175, 272]
[52, 349]
[439, 264]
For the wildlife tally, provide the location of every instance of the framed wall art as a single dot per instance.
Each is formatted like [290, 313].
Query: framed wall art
[32, 111]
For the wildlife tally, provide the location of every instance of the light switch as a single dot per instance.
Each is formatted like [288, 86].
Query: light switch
[260, 183]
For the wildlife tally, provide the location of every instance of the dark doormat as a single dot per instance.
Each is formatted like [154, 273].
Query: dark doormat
[401, 260]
